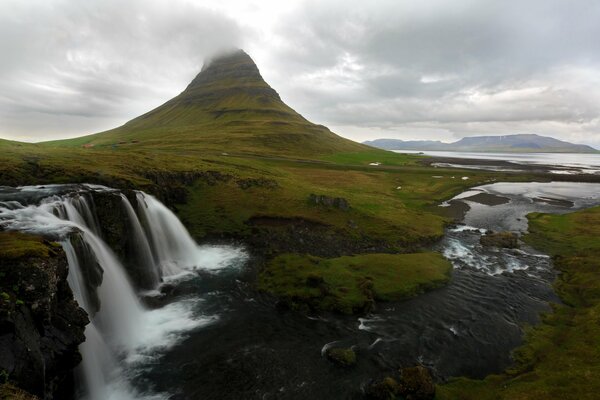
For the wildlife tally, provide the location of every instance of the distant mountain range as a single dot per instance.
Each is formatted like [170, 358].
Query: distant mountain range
[525, 143]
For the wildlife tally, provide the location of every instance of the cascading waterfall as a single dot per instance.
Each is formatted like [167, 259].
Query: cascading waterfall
[142, 246]
[121, 329]
[173, 246]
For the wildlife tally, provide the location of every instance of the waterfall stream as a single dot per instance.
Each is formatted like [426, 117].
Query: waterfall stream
[122, 332]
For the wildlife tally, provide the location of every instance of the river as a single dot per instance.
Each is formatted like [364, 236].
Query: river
[205, 333]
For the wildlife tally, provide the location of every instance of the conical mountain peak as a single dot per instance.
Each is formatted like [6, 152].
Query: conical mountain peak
[228, 104]
[232, 73]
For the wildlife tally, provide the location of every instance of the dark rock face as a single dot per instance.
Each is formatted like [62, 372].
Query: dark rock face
[41, 325]
[116, 231]
[508, 240]
[274, 235]
[334, 202]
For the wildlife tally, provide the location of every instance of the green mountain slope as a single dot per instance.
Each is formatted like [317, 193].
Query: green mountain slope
[227, 107]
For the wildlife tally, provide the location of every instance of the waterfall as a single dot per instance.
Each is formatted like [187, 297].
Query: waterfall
[121, 331]
[174, 249]
[142, 246]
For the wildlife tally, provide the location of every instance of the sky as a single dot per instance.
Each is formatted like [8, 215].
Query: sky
[405, 69]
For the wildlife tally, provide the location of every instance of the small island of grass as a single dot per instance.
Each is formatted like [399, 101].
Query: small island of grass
[351, 284]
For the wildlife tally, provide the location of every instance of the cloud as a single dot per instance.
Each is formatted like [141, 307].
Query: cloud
[73, 67]
[400, 68]
[452, 64]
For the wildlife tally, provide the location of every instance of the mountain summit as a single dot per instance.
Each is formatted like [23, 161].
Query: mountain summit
[227, 107]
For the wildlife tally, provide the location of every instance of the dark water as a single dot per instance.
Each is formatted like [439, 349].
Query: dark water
[467, 328]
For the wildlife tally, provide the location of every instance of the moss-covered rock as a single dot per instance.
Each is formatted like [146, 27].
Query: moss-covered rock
[508, 240]
[416, 383]
[10, 392]
[344, 357]
[385, 389]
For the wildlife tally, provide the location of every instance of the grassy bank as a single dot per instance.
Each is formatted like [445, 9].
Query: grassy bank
[561, 356]
[352, 283]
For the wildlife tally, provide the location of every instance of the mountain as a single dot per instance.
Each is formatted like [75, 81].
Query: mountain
[227, 107]
[524, 143]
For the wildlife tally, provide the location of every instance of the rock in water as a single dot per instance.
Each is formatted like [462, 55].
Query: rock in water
[508, 240]
[416, 383]
[343, 357]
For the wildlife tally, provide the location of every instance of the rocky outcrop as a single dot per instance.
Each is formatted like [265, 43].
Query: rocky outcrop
[334, 202]
[507, 240]
[413, 383]
[256, 182]
[41, 325]
[276, 235]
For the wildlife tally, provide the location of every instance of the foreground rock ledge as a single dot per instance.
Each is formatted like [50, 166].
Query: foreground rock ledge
[41, 325]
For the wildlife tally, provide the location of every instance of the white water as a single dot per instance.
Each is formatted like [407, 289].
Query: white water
[174, 248]
[122, 333]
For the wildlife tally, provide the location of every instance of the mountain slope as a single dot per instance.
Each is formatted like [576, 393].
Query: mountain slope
[510, 143]
[227, 107]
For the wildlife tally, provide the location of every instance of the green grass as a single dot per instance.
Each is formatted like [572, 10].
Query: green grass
[561, 356]
[352, 283]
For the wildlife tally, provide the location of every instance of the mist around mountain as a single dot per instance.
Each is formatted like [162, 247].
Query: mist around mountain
[521, 143]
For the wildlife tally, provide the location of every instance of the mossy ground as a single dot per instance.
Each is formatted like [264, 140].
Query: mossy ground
[561, 356]
[352, 283]
[14, 245]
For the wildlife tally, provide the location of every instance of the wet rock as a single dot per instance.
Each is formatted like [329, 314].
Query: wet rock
[333, 202]
[385, 389]
[40, 329]
[508, 240]
[416, 383]
[344, 357]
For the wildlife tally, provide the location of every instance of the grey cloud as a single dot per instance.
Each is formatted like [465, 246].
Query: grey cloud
[477, 47]
[105, 60]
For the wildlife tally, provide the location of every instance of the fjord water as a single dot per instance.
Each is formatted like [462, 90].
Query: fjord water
[577, 162]
[208, 334]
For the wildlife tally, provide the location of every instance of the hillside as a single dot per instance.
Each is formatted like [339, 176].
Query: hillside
[509, 144]
[227, 107]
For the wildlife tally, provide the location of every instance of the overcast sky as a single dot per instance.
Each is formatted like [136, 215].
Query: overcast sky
[402, 69]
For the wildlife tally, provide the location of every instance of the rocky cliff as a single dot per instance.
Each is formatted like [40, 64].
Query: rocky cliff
[41, 325]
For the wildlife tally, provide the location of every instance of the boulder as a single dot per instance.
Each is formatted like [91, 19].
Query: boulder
[508, 240]
[385, 389]
[344, 357]
[416, 383]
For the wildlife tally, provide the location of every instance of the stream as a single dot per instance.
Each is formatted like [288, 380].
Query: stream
[202, 332]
